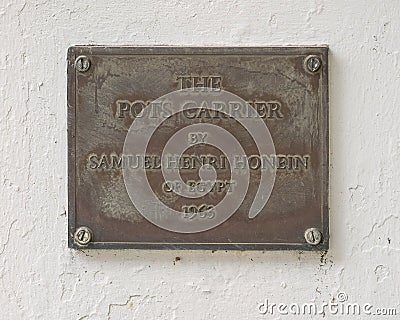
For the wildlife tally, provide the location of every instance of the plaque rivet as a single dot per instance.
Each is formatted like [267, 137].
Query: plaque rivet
[83, 235]
[313, 236]
[313, 63]
[82, 64]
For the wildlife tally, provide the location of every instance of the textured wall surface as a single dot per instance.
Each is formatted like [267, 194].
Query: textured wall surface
[41, 279]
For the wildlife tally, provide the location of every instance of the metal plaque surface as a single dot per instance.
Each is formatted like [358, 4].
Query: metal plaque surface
[198, 148]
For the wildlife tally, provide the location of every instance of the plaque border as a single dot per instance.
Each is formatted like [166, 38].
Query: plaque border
[75, 51]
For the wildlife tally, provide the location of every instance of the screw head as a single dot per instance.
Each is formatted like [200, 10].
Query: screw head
[83, 235]
[82, 64]
[313, 63]
[313, 236]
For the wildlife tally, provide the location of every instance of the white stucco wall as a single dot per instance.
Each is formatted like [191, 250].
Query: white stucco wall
[40, 278]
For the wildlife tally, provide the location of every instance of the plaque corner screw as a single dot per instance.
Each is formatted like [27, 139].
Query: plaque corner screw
[83, 235]
[313, 63]
[82, 63]
[313, 236]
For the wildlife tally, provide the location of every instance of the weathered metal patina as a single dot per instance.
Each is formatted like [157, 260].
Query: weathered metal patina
[108, 87]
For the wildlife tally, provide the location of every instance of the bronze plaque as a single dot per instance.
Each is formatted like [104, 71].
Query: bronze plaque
[198, 148]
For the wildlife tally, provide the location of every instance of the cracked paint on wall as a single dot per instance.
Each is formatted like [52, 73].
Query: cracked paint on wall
[40, 278]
